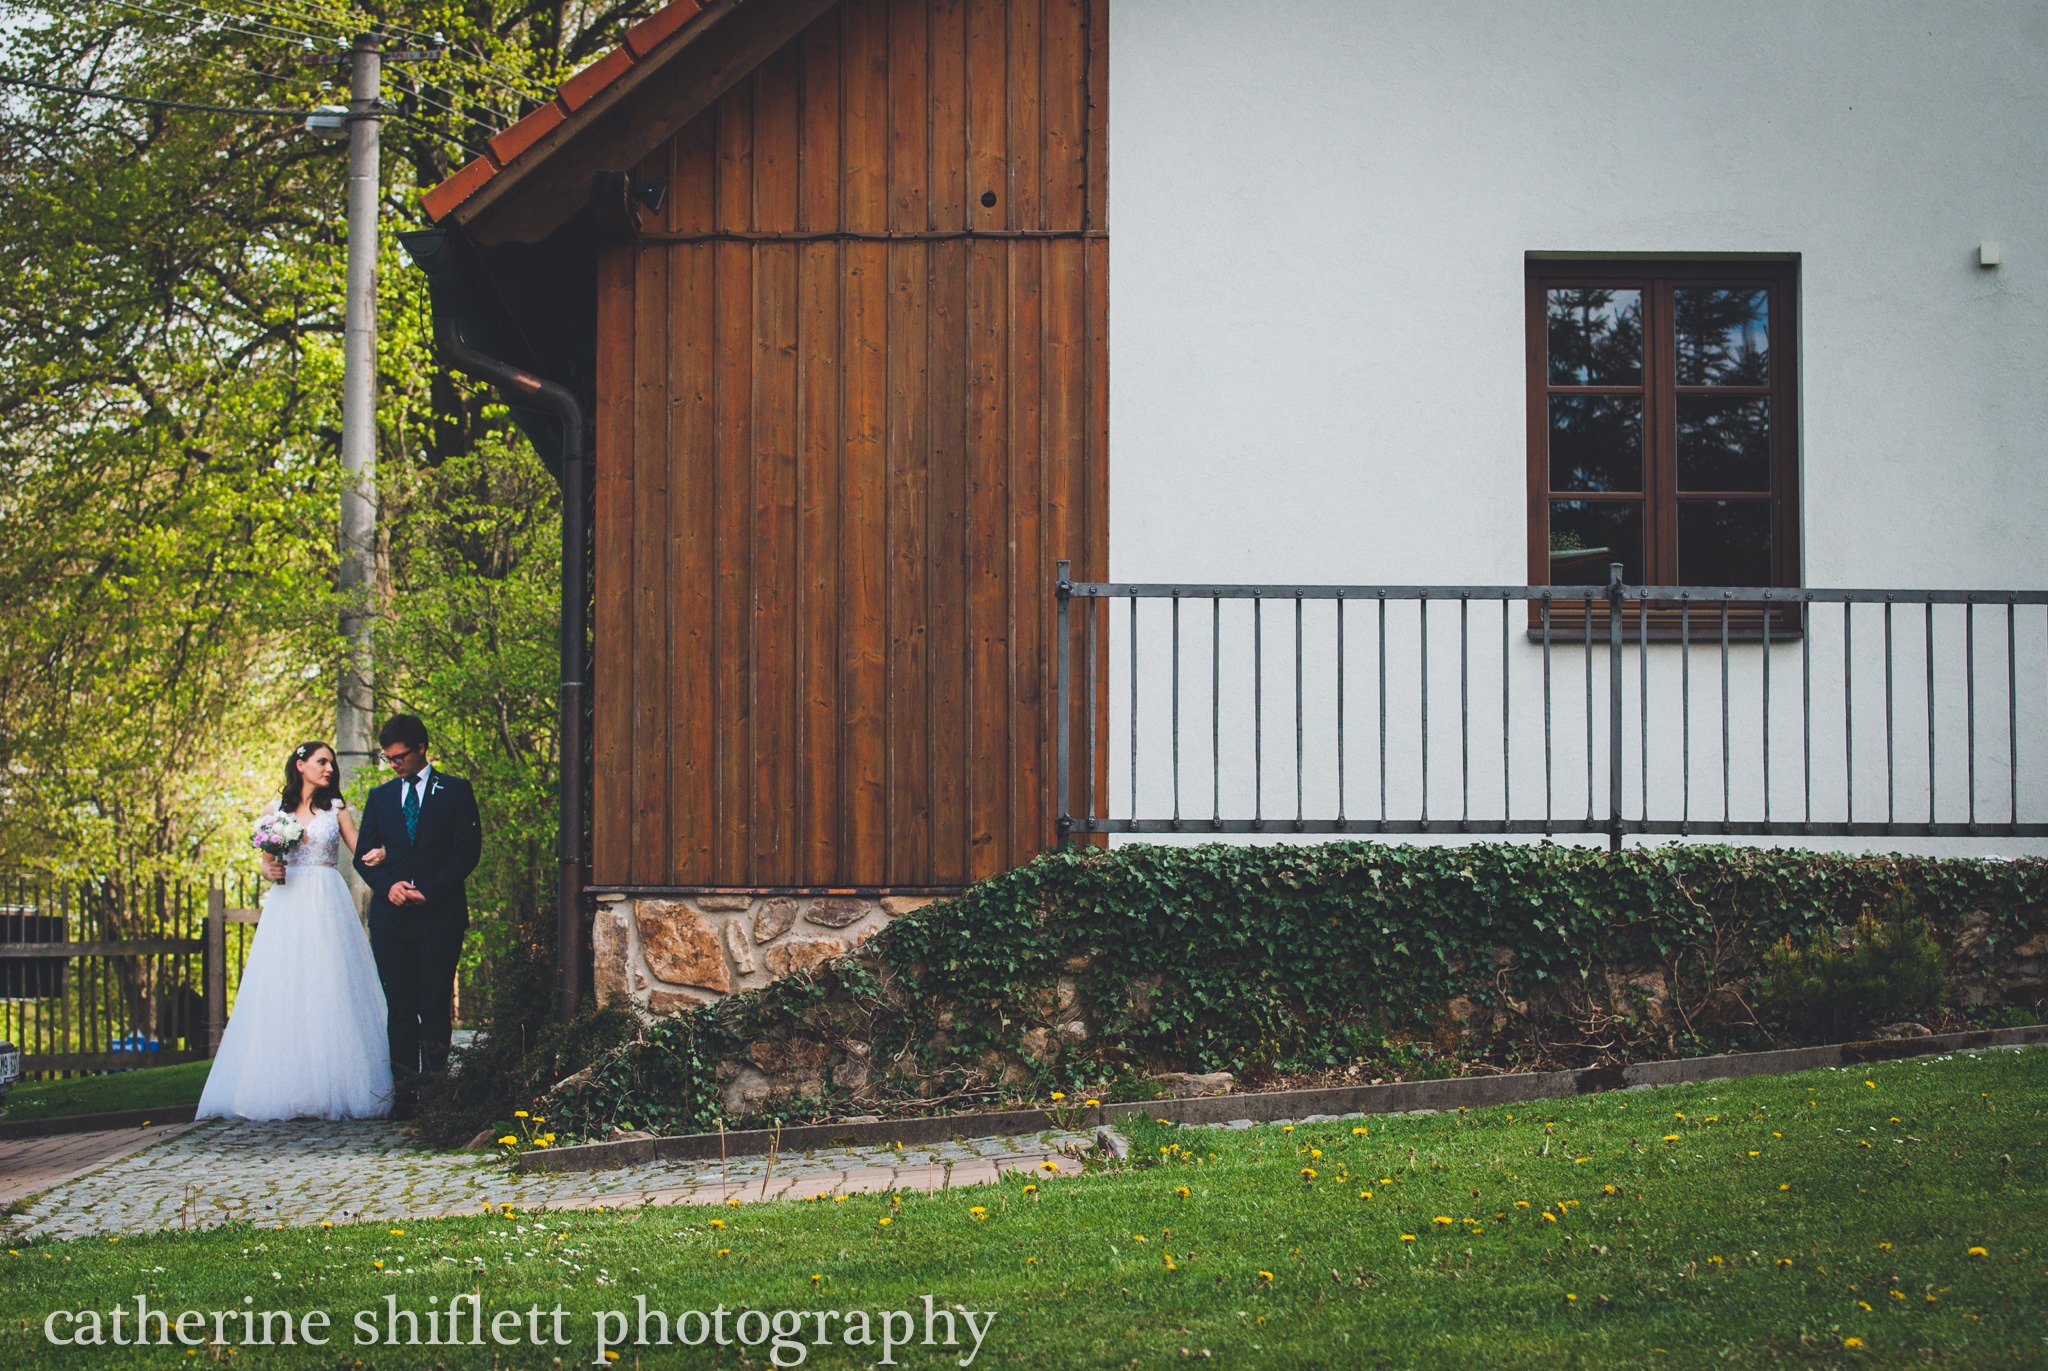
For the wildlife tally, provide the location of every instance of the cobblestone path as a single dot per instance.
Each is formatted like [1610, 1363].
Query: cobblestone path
[277, 1175]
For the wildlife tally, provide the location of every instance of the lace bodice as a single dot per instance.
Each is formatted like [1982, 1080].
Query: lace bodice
[322, 844]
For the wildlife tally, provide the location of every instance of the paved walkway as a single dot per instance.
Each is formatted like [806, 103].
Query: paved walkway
[30, 1165]
[296, 1174]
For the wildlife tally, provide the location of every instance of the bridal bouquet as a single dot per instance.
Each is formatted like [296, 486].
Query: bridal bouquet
[276, 834]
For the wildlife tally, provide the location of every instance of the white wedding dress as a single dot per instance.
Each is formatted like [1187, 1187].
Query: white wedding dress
[307, 1037]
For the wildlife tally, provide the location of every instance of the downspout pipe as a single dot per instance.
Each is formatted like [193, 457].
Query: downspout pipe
[575, 470]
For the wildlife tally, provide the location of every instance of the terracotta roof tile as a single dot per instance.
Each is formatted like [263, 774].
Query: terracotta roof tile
[579, 90]
[526, 132]
[648, 34]
[457, 188]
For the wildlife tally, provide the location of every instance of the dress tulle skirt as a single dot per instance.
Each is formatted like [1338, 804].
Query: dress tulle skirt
[306, 1038]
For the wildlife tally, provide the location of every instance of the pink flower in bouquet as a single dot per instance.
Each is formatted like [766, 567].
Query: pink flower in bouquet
[276, 834]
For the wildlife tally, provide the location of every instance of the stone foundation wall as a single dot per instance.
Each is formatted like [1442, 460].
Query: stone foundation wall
[676, 952]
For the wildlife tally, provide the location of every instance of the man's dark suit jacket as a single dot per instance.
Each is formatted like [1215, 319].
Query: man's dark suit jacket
[437, 859]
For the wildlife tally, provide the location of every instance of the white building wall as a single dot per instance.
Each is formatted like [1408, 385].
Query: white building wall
[1320, 215]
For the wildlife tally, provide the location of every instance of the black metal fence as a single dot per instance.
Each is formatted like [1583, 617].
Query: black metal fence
[1609, 709]
[104, 974]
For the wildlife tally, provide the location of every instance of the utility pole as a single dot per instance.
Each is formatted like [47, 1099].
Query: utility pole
[355, 690]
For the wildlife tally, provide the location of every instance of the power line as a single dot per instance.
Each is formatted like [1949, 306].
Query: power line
[292, 114]
[56, 89]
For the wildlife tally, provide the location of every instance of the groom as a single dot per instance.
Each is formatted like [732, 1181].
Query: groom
[426, 822]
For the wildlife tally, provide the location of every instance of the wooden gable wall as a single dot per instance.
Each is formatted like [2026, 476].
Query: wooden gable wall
[851, 410]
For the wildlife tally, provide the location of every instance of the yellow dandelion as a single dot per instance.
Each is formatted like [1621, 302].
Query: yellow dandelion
[1181, 1191]
[1308, 1173]
[1933, 1300]
[508, 1141]
[884, 1221]
[1287, 1128]
[1786, 1186]
[1315, 1151]
[1864, 1305]
[1521, 1204]
[1407, 1237]
[378, 1264]
[1979, 1252]
[1169, 1262]
[1777, 1135]
[1670, 1137]
[1784, 1262]
[718, 1223]
[1058, 1095]
[724, 1252]
[977, 1212]
[1678, 1116]
[1361, 1132]
[1607, 1190]
[1091, 1103]
[1031, 1190]
[1754, 1153]
[1266, 1276]
[1549, 1217]
[816, 1277]
[540, 1142]
[1048, 1166]
[732, 1204]
[1571, 1299]
[1443, 1219]
[1852, 1342]
[1871, 1084]
[324, 1223]
[519, 1114]
[1385, 1181]
[1713, 1261]
[1137, 1237]
[610, 1355]
[398, 1232]
[1884, 1247]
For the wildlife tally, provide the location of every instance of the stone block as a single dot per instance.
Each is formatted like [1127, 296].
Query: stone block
[672, 1001]
[776, 1058]
[835, 912]
[896, 906]
[2036, 946]
[725, 904]
[680, 947]
[610, 943]
[741, 947]
[1188, 1084]
[803, 954]
[774, 918]
[745, 1092]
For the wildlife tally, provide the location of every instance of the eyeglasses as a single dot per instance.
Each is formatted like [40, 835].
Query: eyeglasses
[394, 758]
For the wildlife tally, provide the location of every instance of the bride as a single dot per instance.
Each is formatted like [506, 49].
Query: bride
[307, 1037]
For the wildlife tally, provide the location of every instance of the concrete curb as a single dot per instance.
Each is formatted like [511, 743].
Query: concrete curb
[96, 1123]
[1466, 1092]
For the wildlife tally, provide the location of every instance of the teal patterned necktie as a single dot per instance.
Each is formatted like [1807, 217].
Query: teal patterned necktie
[412, 810]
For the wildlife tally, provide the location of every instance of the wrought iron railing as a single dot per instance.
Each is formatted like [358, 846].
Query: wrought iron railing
[1664, 710]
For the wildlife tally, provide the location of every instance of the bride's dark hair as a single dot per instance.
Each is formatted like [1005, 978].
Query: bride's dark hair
[294, 784]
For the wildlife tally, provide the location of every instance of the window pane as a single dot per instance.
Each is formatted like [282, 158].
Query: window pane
[1586, 535]
[1724, 442]
[1724, 542]
[1723, 336]
[1596, 442]
[1596, 337]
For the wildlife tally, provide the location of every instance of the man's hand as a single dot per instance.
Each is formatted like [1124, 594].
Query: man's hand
[405, 892]
[272, 867]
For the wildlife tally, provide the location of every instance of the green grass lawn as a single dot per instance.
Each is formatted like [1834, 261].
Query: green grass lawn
[1745, 1223]
[154, 1087]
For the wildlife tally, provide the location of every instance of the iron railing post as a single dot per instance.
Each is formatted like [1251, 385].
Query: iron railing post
[1063, 594]
[1615, 824]
[213, 967]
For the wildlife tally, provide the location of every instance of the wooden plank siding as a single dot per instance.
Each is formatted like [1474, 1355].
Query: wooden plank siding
[852, 408]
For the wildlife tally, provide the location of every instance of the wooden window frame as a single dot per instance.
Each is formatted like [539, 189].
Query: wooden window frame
[1657, 276]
